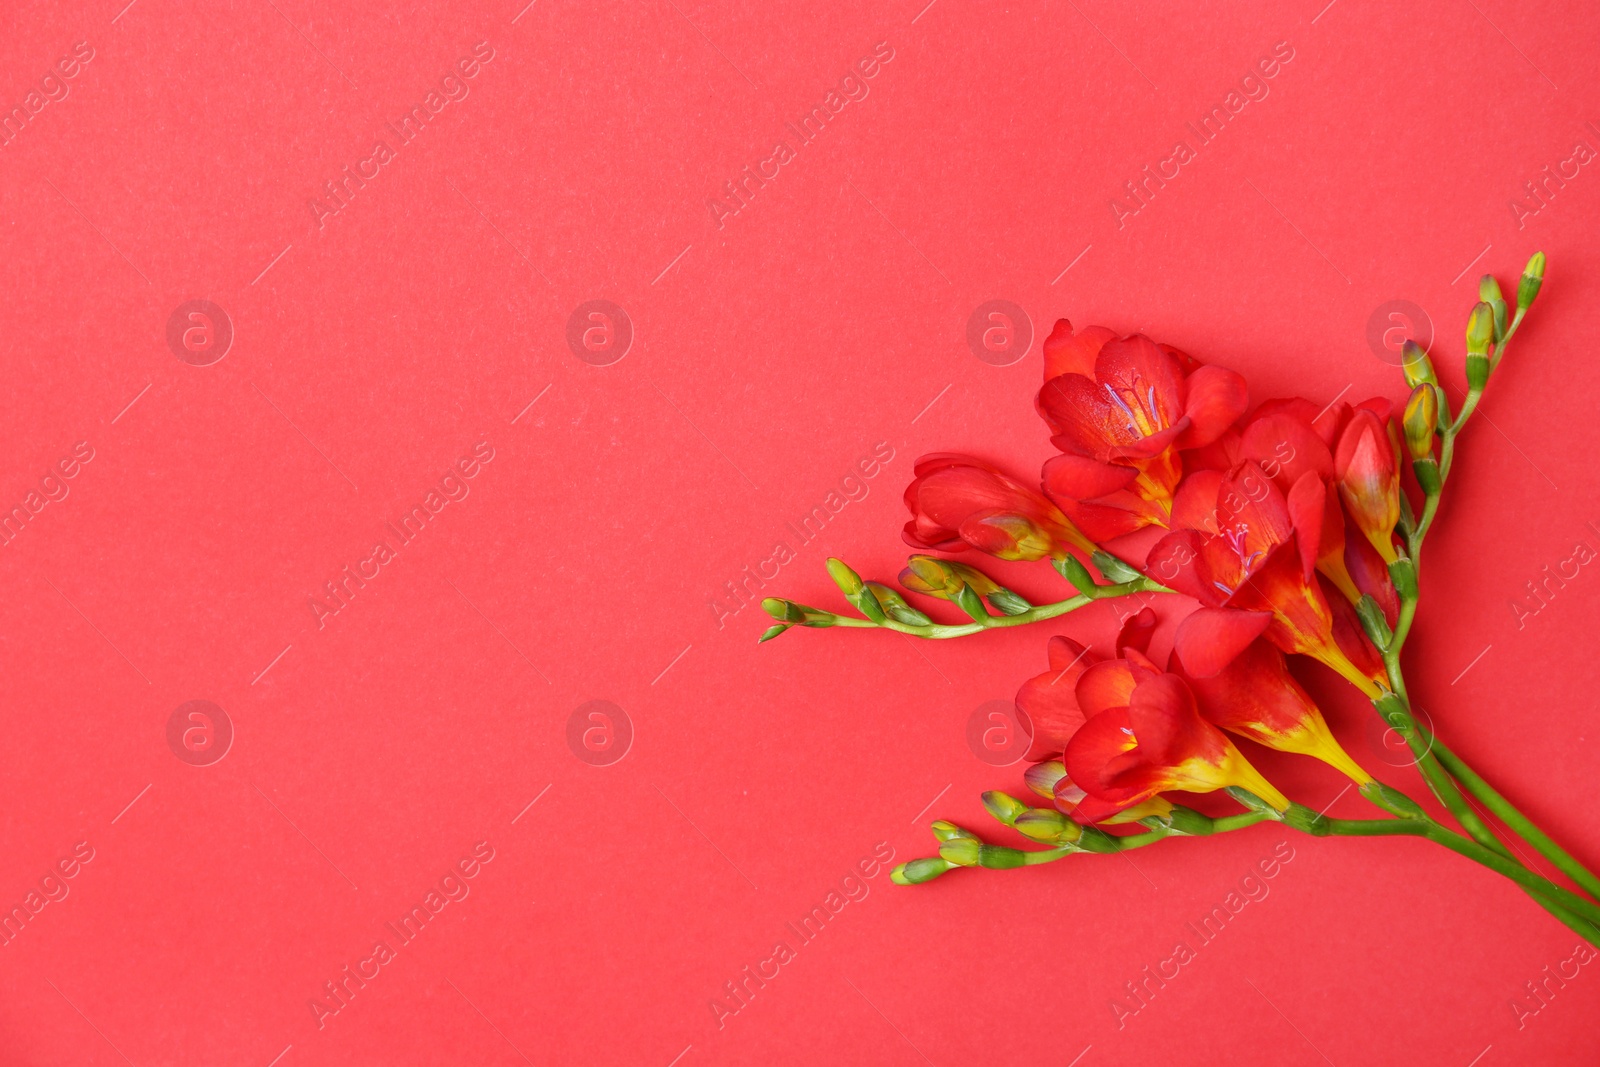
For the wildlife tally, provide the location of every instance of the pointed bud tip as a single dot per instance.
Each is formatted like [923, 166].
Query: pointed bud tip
[848, 581]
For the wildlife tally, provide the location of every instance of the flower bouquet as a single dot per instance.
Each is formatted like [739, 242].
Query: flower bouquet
[1291, 529]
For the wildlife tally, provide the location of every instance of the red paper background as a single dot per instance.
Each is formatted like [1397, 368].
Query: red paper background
[771, 353]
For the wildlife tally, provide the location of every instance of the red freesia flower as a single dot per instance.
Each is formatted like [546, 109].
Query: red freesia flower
[1050, 700]
[958, 502]
[1144, 735]
[1121, 409]
[1243, 550]
[1255, 696]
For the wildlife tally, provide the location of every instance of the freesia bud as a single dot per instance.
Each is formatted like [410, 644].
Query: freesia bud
[1421, 421]
[1048, 826]
[944, 578]
[1042, 777]
[918, 871]
[961, 851]
[848, 581]
[1488, 289]
[797, 614]
[1003, 806]
[944, 830]
[1368, 473]
[1480, 329]
[1532, 279]
[894, 605]
[772, 631]
[1417, 366]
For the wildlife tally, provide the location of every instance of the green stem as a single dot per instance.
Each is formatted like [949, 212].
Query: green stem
[1520, 823]
[942, 631]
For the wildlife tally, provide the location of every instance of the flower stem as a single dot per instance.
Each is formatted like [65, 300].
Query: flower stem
[942, 631]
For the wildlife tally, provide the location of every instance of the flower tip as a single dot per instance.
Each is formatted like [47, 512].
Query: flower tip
[1480, 329]
[1488, 289]
[1532, 279]
[848, 581]
[918, 871]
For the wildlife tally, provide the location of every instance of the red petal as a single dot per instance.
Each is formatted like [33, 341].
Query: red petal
[1194, 506]
[1255, 696]
[1166, 724]
[1307, 501]
[1137, 631]
[1066, 352]
[1209, 639]
[1052, 710]
[1081, 478]
[1216, 397]
[1064, 651]
[1101, 741]
[1104, 685]
[1180, 562]
[1286, 448]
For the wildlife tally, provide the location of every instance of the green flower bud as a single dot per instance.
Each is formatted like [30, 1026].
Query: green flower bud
[919, 871]
[772, 631]
[1008, 603]
[1421, 420]
[944, 830]
[1048, 826]
[1075, 572]
[1113, 568]
[894, 605]
[1416, 365]
[797, 614]
[1003, 806]
[848, 581]
[1373, 621]
[1488, 289]
[1480, 329]
[1532, 279]
[961, 851]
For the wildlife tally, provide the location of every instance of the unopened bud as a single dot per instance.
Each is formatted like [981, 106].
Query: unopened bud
[1417, 366]
[1042, 777]
[1488, 289]
[772, 631]
[1421, 420]
[1048, 826]
[848, 581]
[944, 578]
[797, 614]
[919, 871]
[1532, 279]
[944, 830]
[894, 605]
[1003, 806]
[1070, 568]
[1480, 329]
[961, 851]
[1008, 603]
